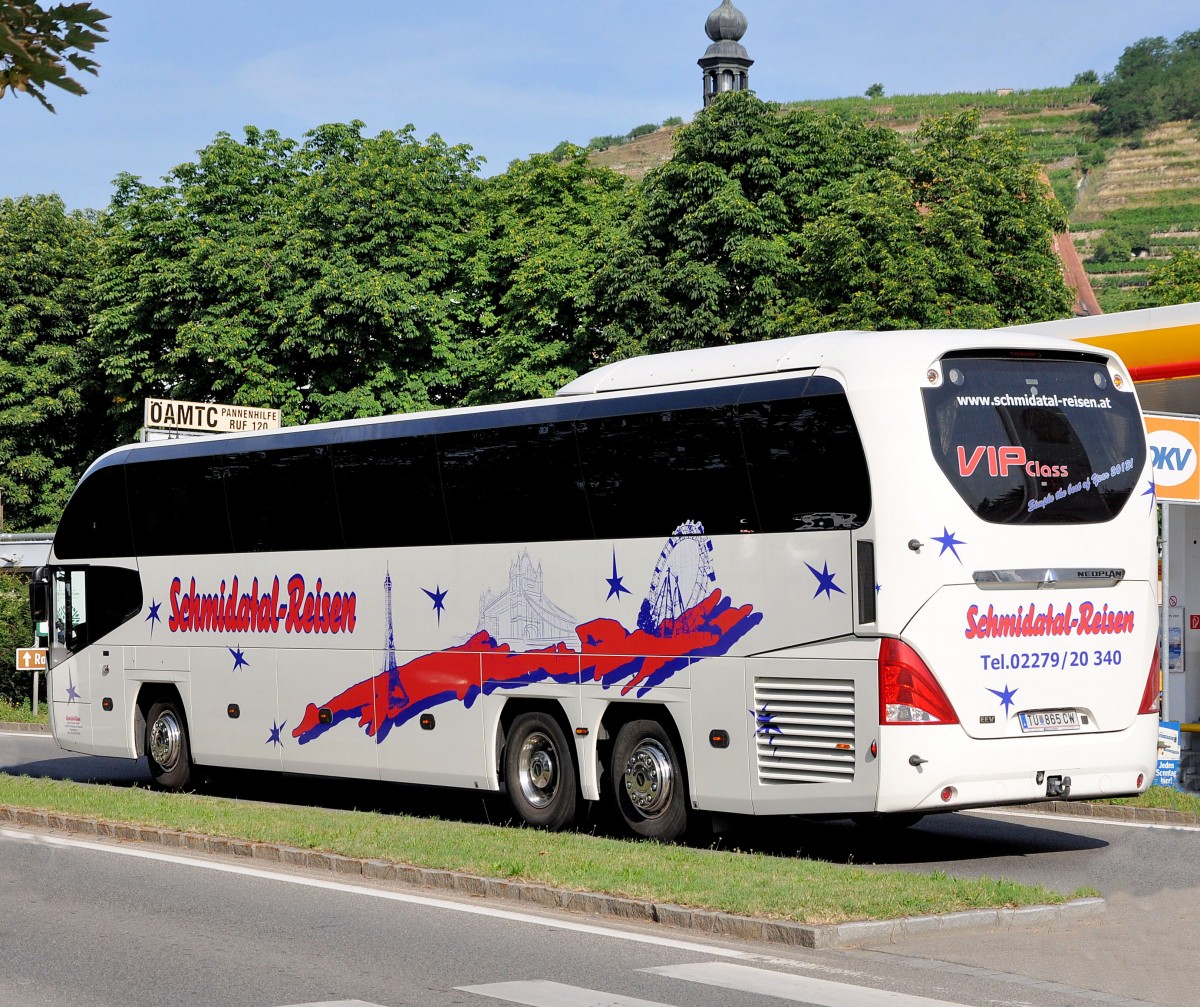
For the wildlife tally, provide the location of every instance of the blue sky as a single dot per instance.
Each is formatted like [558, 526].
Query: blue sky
[516, 77]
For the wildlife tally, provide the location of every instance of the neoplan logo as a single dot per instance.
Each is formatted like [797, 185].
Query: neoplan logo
[1000, 460]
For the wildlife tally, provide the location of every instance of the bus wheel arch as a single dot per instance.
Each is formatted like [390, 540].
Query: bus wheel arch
[647, 771]
[163, 737]
[538, 760]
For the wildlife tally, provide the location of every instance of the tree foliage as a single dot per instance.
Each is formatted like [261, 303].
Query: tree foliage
[52, 408]
[38, 41]
[1154, 81]
[325, 278]
[1174, 282]
[544, 230]
[769, 223]
[15, 631]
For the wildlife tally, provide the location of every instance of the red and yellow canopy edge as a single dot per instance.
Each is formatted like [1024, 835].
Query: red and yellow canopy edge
[1155, 354]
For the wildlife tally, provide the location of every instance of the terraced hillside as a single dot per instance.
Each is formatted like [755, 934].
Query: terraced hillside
[1144, 196]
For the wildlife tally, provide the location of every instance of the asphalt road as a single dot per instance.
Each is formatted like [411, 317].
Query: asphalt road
[82, 925]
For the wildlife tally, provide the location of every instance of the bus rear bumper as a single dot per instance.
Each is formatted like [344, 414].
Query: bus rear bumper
[929, 768]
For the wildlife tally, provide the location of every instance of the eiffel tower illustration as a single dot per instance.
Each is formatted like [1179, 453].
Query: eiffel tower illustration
[395, 689]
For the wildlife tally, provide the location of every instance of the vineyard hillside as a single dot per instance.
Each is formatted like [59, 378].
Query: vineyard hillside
[1130, 203]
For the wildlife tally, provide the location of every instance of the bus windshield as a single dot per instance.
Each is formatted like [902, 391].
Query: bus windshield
[1035, 440]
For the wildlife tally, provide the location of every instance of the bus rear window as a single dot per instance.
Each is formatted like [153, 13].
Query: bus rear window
[1038, 440]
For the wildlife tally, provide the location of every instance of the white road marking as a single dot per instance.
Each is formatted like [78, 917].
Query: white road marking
[692, 947]
[1085, 819]
[542, 993]
[26, 734]
[337, 1003]
[798, 989]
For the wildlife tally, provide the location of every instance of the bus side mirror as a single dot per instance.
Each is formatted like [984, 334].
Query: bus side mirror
[39, 597]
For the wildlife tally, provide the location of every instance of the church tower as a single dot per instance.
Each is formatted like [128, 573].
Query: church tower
[725, 63]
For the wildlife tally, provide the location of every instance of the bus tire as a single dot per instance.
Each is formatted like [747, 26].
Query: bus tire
[168, 753]
[648, 784]
[539, 770]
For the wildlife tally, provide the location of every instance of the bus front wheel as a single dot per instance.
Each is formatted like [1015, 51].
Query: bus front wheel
[539, 770]
[648, 782]
[167, 751]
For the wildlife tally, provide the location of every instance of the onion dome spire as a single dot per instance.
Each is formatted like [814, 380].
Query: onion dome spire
[726, 63]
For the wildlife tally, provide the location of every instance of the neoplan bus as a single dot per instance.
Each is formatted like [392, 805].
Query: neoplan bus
[854, 574]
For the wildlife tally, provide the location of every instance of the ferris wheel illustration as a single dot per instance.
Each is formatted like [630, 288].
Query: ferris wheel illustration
[683, 576]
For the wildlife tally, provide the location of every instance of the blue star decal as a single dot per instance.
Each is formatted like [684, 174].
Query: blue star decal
[765, 726]
[1151, 491]
[614, 582]
[274, 738]
[1006, 696]
[154, 617]
[72, 692]
[438, 597]
[825, 584]
[947, 541]
[239, 659]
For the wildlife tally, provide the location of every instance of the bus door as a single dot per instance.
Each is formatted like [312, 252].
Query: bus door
[69, 686]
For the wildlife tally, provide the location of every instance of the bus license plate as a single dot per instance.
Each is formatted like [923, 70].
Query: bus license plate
[1050, 720]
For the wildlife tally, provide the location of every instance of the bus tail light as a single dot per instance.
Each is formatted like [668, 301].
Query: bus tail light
[1153, 688]
[908, 692]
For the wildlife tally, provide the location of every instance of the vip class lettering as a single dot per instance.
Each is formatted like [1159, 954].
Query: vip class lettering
[1000, 460]
[229, 610]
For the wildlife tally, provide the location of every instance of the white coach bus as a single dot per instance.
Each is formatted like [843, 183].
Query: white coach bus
[854, 574]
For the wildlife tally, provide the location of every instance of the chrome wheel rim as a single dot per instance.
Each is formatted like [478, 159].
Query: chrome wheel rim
[649, 778]
[166, 740]
[537, 769]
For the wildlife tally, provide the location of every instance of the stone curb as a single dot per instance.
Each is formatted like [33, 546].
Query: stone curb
[20, 728]
[713, 924]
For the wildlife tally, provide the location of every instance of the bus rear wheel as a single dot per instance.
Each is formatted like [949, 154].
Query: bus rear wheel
[539, 769]
[168, 753]
[648, 782]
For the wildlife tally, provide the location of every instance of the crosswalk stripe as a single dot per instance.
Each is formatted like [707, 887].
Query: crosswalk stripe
[786, 986]
[541, 993]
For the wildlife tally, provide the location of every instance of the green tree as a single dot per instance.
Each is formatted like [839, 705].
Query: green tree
[768, 223]
[15, 631]
[51, 400]
[1154, 81]
[325, 278]
[545, 228]
[1174, 282]
[37, 42]
[1085, 78]
[874, 91]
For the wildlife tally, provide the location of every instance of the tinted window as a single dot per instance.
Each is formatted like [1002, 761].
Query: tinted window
[389, 493]
[1035, 440]
[178, 506]
[648, 473]
[114, 596]
[96, 519]
[806, 461]
[282, 500]
[513, 484]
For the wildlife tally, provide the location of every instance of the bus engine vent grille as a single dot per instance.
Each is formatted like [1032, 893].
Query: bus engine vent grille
[804, 730]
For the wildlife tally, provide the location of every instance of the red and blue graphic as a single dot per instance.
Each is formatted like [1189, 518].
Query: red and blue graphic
[606, 652]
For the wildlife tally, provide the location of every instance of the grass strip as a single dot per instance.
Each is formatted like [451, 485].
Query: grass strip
[748, 884]
[1165, 798]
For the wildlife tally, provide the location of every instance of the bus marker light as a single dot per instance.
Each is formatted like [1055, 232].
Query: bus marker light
[1141, 780]
[106, 703]
[874, 748]
[581, 732]
[948, 793]
[427, 722]
[234, 711]
[720, 739]
[325, 715]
